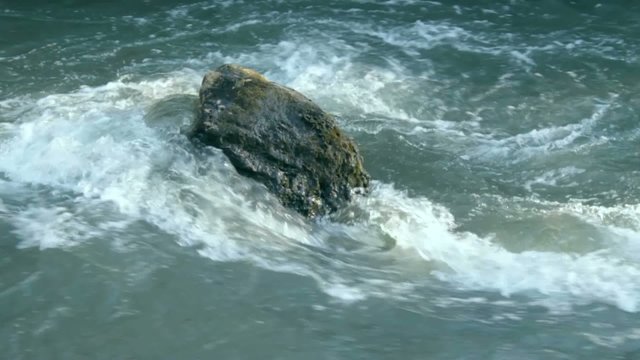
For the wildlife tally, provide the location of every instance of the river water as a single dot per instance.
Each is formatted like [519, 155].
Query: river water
[503, 139]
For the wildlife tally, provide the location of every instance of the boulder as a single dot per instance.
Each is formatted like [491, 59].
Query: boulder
[277, 136]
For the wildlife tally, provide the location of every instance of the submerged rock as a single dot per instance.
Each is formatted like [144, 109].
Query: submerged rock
[280, 138]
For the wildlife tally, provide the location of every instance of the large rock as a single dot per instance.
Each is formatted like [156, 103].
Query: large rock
[277, 136]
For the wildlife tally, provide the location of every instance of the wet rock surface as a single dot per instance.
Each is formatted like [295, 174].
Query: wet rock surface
[280, 138]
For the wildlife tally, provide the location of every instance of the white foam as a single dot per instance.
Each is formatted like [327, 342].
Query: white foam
[620, 223]
[472, 262]
[94, 142]
[50, 228]
[345, 293]
[614, 338]
[419, 35]
[523, 57]
[333, 79]
[551, 177]
[524, 146]
[341, 84]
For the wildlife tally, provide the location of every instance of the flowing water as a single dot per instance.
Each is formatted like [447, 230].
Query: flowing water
[504, 221]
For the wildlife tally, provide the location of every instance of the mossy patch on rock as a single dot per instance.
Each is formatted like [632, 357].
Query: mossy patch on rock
[279, 137]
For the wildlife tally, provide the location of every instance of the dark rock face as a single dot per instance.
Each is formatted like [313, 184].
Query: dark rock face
[279, 137]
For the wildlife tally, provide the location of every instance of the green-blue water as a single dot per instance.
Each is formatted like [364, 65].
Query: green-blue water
[503, 137]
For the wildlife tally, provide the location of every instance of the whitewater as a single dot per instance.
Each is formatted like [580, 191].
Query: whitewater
[503, 223]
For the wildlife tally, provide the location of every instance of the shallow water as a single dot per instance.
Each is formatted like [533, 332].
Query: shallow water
[504, 221]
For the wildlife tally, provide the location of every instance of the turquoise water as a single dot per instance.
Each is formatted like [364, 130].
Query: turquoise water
[504, 223]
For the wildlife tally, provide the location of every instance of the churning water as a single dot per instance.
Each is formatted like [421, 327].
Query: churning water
[504, 222]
